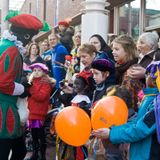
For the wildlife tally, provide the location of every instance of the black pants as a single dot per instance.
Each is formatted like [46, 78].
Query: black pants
[39, 141]
[17, 146]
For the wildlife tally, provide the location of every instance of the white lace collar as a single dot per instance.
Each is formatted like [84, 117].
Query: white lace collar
[11, 37]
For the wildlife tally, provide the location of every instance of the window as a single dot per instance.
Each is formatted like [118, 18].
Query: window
[152, 14]
[129, 19]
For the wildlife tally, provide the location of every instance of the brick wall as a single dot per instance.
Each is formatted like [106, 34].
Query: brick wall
[67, 9]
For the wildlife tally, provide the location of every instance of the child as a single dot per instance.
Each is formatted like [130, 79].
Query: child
[80, 85]
[103, 75]
[38, 103]
[141, 131]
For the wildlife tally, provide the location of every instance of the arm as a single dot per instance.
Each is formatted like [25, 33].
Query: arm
[10, 72]
[144, 127]
[40, 94]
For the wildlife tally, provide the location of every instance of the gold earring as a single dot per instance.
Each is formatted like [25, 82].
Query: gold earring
[26, 36]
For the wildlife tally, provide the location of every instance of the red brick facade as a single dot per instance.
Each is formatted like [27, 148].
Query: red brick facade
[66, 9]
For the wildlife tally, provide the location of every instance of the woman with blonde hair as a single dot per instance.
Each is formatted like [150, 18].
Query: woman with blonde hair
[125, 55]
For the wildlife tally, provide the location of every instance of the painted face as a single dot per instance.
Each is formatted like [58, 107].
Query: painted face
[38, 72]
[95, 41]
[53, 40]
[79, 85]
[119, 53]
[86, 59]
[34, 50]
[99, 76]
[143, 47]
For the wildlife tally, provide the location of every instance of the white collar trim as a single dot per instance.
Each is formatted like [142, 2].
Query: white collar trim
[7, 35]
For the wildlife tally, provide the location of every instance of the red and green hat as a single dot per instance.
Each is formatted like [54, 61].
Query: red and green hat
[26, 21]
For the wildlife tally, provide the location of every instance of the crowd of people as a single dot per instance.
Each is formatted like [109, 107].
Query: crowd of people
[60, 72]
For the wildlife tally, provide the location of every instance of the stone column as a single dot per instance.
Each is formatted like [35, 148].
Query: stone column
[4, 12]
[94, 19]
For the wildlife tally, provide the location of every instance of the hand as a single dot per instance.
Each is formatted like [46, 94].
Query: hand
[67, 89]
[102, 133]
[136, 72]
[31, 77]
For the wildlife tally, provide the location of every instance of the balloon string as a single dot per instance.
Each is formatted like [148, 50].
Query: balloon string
[84, 152]
[94, 147]
[57, 148]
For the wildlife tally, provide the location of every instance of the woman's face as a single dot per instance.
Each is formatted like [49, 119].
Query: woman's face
[99, 76]
[44, 46]
[119, 54]
[77, 39]
[143, 47]
[34, 50]
[86, 59]
[53, 40]
[38, 72]
[95, 41]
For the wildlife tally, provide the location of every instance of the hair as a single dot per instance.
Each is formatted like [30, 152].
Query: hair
[30, 46]
[87, 48]
[121, 92]
[151, 39]
[54, 35]
[46, 41]
[128, 45]
[104, 45]
[78, 31]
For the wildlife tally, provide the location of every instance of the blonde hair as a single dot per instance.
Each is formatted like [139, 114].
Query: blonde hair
[87, 48]
[54, 35]
[128, 45]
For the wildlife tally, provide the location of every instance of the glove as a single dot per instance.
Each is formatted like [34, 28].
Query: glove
[25, 93]
[25, 83]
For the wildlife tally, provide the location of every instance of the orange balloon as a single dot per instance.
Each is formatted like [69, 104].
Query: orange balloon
[73, 126]
[109, 111]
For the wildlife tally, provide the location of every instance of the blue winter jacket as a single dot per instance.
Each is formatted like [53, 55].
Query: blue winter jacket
[58, 55]
[136, 132]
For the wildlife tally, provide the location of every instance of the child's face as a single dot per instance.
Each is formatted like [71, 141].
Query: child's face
[78, 85]
[62, 28]
[119, 53]
[99, 76]
[38, 72]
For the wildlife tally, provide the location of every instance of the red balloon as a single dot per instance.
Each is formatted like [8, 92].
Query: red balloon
[109, 111]
[73, 126]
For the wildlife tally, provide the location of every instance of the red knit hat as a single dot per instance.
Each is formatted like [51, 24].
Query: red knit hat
[26, 21]
[64, 23]
[85, 75]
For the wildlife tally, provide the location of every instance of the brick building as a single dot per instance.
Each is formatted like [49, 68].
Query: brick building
[125, 16]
